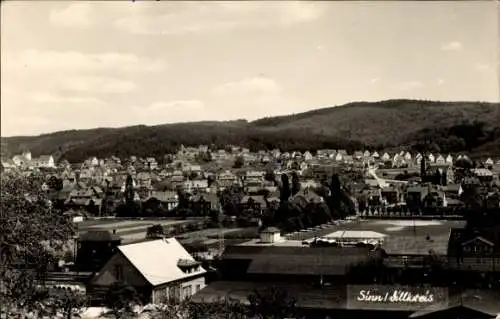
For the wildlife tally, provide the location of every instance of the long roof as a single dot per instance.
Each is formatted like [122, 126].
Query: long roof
[157, 260]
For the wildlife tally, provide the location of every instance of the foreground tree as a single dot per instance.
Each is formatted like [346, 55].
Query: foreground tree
[271, 303]
[121, 300]
[32, 232]
[67, 303]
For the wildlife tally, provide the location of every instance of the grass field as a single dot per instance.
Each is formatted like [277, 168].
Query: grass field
[128, 230]
[388, 227]
[135, 230]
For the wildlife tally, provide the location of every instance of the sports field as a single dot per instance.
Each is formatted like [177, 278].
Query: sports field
[389, 227]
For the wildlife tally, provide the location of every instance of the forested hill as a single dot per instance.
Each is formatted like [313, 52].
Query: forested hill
[451, 126]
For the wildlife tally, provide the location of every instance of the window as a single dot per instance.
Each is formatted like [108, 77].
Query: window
[198, 288]
[118, 272]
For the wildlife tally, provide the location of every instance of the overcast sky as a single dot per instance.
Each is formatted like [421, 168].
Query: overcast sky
[70, 65]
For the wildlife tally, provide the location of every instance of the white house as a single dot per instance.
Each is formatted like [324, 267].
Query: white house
[489, 162]
[440, 160]
[449, 159]
[386, 157]
[20, 160]
[27, 155]
[375, 155]
[46, 161]
[431, 158]
[407, 156]
[270, 235]
[338, 157]
[308, 156]
[158, 269]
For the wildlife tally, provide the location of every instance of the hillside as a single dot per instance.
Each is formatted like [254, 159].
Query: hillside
[450, 126]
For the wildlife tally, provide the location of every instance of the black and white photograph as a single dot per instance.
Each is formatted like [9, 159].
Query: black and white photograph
[250, 159]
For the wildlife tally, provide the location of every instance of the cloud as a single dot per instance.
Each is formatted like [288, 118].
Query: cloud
[374, 80]
[408, 86]
[198, 17]
[482, 67]
[176, 105]
[256, 85]
[74, 15]
[51, 98]
[96, 84]
[440, 82]
[250, 97]
[170, 112]
[77, 61]
[452, 46]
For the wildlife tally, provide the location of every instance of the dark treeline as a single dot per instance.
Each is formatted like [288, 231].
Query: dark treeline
[459, 138]
[157, 145]
[354, 126]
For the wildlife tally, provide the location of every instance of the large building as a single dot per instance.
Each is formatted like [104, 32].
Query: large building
[390, 272]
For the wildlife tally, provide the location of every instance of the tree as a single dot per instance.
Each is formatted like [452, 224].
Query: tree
[295, 183]
[285, 188]
[423, 168]
[55, 183]
[121, 300]
[270, 176]
[155, 232]
[271, 303]
[32, 232]
[68, 303]
[222, 308]
[129, 190]
[239, 162]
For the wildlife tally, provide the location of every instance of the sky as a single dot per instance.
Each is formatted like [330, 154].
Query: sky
[78, 65]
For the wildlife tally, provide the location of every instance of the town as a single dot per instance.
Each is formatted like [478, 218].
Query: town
[368, 233]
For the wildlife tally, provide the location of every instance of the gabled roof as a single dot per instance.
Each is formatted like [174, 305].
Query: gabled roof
[158, 260]
[297, 260]
[484, 240]
[486, 302]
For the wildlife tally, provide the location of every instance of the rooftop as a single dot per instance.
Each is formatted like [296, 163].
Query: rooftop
[157, 260]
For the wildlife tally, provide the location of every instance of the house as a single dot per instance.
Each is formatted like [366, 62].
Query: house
[483, 174]
[375, 155]
[8, 164]
[440, 160]
[204, 204]
[227, 179]
[348, 159]
[20, 160]
[391, 194]
[366, 154]
[407, 156]
[197, 185]
[338, 157]
[449, 159]
[431, 158]
[94, 249]
[489, 162]
[256, 204]
[474, 251]
[45, 161]
[308, 156]
[157, 270]
[151, 163]
[168, 200]
[254, 180]
[386, 157]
